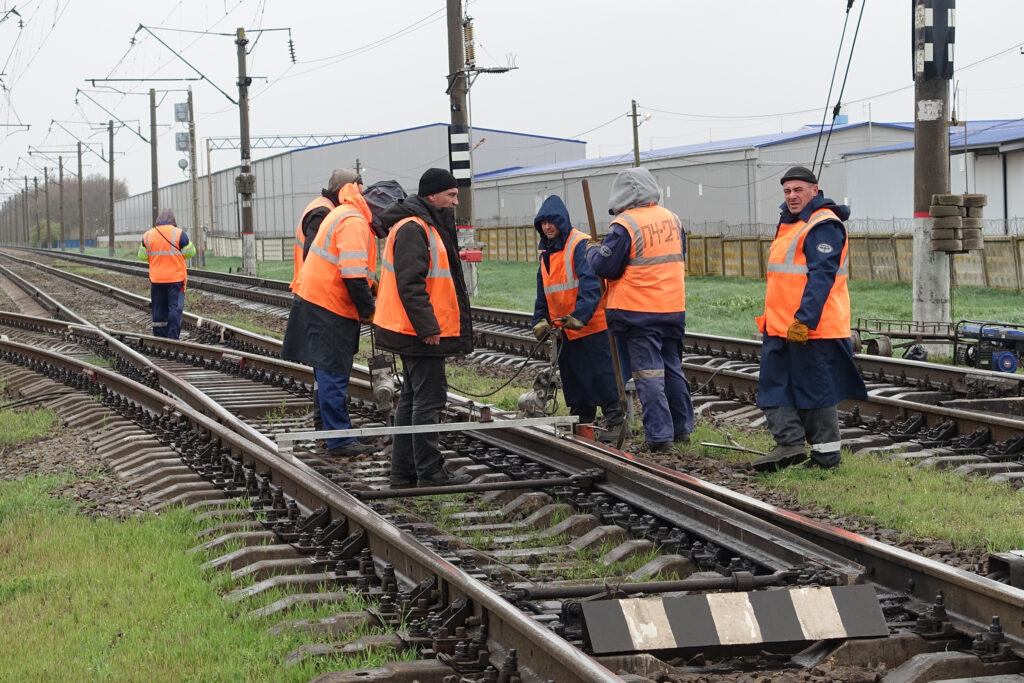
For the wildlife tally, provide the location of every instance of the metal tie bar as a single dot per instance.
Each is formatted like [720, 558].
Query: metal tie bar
[553, 421]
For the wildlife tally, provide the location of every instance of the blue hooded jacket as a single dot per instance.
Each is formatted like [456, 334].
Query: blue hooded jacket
[589, 294]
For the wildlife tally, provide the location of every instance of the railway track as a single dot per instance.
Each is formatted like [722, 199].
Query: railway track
[540, 502]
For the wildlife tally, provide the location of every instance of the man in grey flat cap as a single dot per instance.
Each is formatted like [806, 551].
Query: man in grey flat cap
[807, 363]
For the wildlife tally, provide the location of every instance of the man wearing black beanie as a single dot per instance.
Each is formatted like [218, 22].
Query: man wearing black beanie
[423, 315]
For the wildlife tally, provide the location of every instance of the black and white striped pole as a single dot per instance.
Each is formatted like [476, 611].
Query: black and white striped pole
[932, 54]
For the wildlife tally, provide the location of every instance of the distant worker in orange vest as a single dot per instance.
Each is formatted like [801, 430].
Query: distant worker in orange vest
[314, 214]
[643, 260]
[333, 295]
[569, 295]
[807, 364]
[423, 315]
[166, 246]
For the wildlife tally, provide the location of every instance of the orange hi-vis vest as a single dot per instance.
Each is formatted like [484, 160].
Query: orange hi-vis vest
[561, 287]
[344, 248]
[166, 262]
[391, 313]
[300, 237]
[787, 277]
[654, 280]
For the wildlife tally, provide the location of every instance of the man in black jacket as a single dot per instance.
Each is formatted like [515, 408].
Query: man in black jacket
[423, 315]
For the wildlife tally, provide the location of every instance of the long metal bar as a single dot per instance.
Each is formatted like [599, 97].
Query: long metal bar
[553, 421]
[577, 480]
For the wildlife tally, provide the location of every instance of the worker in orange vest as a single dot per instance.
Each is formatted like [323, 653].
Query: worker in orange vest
[643, 260]
[423, 315]
[166, 246]
[333, 295]
[569, 295]
[314, 214]
[807, 364]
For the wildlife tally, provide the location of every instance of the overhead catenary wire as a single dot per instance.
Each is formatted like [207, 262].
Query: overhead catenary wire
[842, 88]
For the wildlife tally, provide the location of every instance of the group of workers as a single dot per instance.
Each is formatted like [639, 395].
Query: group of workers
[627, 286]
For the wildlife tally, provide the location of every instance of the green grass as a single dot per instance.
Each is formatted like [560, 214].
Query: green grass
[918, 503]
[25, 425]
[114, 601]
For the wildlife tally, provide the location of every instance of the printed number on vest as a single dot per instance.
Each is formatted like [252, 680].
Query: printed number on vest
[656, 233]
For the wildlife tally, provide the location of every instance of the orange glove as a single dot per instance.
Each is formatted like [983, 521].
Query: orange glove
[366, 319]
[797, 332]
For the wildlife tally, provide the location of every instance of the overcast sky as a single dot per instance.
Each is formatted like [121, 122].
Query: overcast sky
[701, 70]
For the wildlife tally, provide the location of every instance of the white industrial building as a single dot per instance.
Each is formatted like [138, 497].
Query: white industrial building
[986, 157]
[286, 182]
[728, 186]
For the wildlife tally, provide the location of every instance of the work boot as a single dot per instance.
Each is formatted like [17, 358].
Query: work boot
[781, 456]
[400, 482]
[350, 449]
[815, 465]
[659, 447]
[442, 478]
[681, 438]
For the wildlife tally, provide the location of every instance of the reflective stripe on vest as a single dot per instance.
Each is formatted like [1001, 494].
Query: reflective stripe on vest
[787, 279]
[166, 262]
[391, 314]
[654, 280]
[320, 281]
[561, 295]
[300, 238]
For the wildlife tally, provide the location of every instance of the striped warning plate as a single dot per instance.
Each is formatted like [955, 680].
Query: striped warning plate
[771, 616]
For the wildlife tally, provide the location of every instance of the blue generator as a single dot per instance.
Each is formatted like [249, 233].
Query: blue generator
[988, 345]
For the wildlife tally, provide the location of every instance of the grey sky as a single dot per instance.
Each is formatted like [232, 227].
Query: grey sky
[722, 69]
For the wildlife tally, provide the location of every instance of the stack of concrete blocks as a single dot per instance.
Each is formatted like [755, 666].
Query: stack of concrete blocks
[956, 222]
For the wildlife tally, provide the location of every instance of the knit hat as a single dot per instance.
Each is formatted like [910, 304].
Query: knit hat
[799, 173]
[166, 217]
[435, 180]
[340, 177]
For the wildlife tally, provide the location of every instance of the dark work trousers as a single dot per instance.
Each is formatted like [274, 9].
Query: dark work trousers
[818, 427]
[656, 365]
[332, 388]
[424, 393]
[167, 299]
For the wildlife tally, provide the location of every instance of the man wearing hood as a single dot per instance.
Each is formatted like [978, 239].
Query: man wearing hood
[807, 362]
[332, 297]
[166, 246]
[423, 315]
[569, 294]
[643, 259]
[314, 214]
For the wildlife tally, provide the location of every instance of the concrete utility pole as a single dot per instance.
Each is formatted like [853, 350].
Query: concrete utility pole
[152, 155]
[245, 182]
[933, 67]
[458, 135]
[81, 203]
[196, 227]
[24, 204]
[46, 200]
[60, 193]
[35, 201]
[110, 163]
[209, 184]
[636, 136]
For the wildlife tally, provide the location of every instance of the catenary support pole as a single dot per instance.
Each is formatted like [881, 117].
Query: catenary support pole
[81, 203]
[933, 67]
[155, 184]
[245, 182]
[60, 200]
[110, 190]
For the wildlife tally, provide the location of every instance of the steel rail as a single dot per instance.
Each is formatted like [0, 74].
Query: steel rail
[539, 651]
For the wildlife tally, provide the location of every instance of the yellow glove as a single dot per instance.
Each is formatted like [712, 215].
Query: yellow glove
[374, 287]
[540, 329]
[366, 319]
[797, 332]
[572, 323]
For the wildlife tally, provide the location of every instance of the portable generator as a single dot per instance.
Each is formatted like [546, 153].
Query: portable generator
[988, 345]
